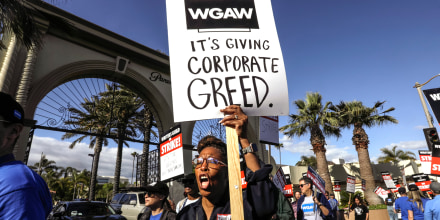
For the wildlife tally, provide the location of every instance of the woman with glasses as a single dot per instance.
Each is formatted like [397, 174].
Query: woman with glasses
[260, 196]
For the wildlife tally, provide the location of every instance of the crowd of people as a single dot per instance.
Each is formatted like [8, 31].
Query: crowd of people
[206, 191]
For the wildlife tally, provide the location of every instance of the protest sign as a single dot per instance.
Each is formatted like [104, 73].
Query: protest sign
[171, 154]
[425, 160]
[288, 190]
[351, 184]
[433, 97]
[225, 52]
[388, 180]
[422, 181]
[435, 160]
[279, 179]
[381, 192]
[364, 185]
[269, 130]
[337, 186]
[317, 180]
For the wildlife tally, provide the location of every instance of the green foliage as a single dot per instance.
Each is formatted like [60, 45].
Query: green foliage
[345, 197]
[378, 206]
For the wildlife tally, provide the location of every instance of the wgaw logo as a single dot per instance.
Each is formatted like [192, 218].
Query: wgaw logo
[214, 14]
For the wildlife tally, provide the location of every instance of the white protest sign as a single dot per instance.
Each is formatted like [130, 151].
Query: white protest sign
[381, 192]
[171, 154]
[351, 184]
[388, 180]
[225, 52]
[269, 133]
[425, 160]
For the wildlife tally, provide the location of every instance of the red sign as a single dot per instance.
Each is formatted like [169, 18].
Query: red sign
[337, 186]
[435, 160]
[243, 181]
[288, 190]
[171, 144]
[396, 189]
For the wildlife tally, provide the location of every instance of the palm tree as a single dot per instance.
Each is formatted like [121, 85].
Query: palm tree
[357, 115]
[394, 156]
[316, 119]
[44, 166]
[279, 146]
[126, 109]
[307, 161]
[146, 124]
[134, 154]
[93, 118]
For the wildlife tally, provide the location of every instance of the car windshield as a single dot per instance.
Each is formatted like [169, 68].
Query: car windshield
[89, 209]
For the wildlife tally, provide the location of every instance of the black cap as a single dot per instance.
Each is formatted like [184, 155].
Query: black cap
[402, 190]
[158, 187]
[10, 109]
[413, 187]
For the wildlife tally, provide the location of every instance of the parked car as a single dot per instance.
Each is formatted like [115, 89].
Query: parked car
[130, 203]
[79, 210]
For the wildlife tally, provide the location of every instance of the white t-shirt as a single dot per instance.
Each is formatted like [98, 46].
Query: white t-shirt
[307, 208]
[184, 202]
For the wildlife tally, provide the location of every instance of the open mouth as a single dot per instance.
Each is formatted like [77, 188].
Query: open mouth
[204, 181]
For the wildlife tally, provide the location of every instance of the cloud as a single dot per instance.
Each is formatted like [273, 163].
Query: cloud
[420, 127]
[334, 153]
[410, 145]
[78, 158]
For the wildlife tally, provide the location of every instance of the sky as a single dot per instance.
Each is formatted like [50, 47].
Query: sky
[346, 50]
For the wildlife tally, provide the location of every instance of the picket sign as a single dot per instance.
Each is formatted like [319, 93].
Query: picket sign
[235, 191]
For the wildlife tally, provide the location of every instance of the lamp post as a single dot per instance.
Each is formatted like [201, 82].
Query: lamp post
[425, 108]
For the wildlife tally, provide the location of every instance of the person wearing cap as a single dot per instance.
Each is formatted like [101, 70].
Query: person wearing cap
[401, 204]
[416, 203]
[432, 208]
[158, 205]
[333, 204]
[23, 193]
[211, 170]
[191, 192]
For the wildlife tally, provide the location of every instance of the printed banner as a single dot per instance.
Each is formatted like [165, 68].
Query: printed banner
[225, 52]
[433, 97]
[288, 190]
[351, 184]
[435, 160]
[364, 185]
[317, 180]
[388, 180]
[243, 180]
[425, 160]
[422, 181]
[171, 154]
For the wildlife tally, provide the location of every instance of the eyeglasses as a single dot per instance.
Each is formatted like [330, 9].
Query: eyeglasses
[149, 194]
[301, 185]
[212, 162]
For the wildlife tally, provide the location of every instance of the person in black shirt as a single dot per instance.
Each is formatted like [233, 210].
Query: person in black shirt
[259, 198]
[389, 201]
[360, 210]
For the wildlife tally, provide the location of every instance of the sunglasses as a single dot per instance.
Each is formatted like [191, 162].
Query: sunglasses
[301, 185]
[149, 194]
[212, 162]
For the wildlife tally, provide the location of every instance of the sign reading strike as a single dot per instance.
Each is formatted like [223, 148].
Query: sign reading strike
[351, 184]
[433, 97]
[435, 160]
[171, 154]
[388, 180]
[337, 186]
[225, 52]
[422, 181]
[425, 160]
[381, 192]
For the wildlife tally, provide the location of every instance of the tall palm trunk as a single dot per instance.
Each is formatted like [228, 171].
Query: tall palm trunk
[317, 140]
[148, 123]
[360, 140]
[117, 176]
[98, 148]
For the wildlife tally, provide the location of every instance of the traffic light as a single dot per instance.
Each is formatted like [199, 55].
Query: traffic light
[431, 137]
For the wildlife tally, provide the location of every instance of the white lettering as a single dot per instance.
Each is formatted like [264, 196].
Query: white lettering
[217, 13]
[436, 167]
[435, 97]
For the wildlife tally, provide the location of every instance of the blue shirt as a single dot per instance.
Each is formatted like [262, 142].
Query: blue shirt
[23, 193]
[432, 209]
[417, 213]
[156, 217]
[402, 205]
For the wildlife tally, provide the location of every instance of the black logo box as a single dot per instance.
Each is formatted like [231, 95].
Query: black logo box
[210, 23]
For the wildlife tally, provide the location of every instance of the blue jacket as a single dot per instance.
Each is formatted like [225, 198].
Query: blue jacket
[322, 200]
[259, 200]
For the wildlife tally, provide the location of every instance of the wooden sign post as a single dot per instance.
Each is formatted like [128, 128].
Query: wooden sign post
[235, 191]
